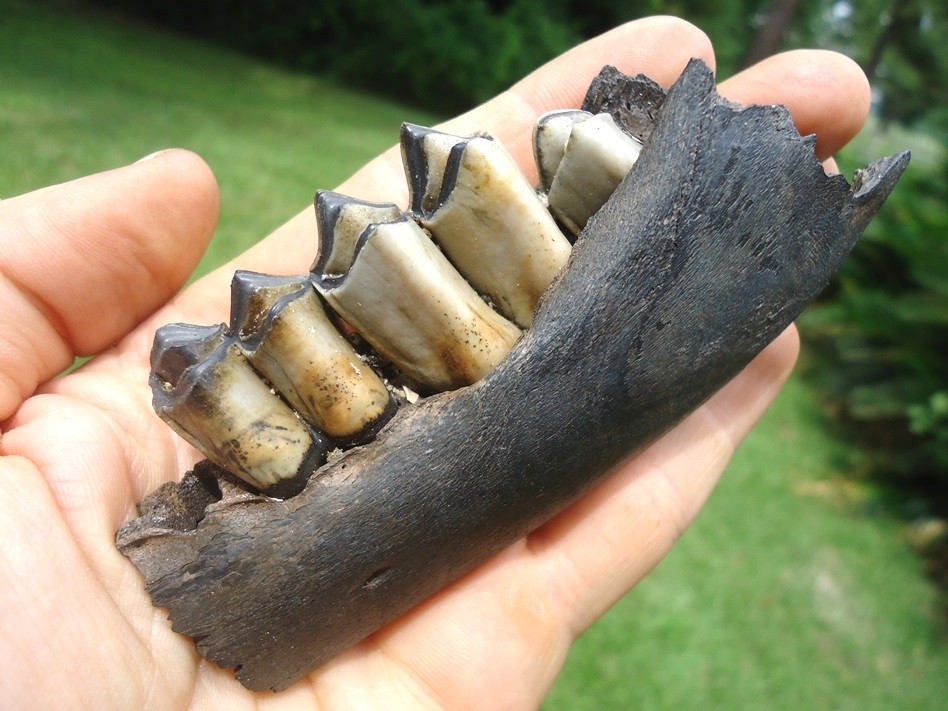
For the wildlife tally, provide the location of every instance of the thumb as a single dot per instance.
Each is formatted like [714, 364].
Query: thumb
[84, 262]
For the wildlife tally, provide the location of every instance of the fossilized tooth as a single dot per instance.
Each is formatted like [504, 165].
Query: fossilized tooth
[486, 217]
[425, 176]
[342, 220]
[596, 156]
[688, 271]
[403, 296]
[205, 389]
[550, 134]
[289, 338]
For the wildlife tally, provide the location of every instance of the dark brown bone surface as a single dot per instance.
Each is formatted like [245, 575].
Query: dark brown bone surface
[725, 229]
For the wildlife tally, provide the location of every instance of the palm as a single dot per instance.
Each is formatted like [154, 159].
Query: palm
[81, 452]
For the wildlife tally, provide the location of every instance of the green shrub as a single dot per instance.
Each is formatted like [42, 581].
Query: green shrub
[444, 55]
[880, 337]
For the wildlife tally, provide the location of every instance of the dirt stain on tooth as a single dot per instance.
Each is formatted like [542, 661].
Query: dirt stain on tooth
[290, 340]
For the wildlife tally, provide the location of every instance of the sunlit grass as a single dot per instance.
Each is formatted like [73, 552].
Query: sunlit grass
[788, 593]
[79, 95]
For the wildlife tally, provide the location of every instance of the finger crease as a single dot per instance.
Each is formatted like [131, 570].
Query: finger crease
[47, 312]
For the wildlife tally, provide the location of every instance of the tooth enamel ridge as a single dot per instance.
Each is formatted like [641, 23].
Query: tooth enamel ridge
[595, 158]
[704, 254]
[425, 154]
[550, 135]
[341, 220]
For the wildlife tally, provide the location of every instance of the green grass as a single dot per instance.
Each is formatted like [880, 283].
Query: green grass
[790, 592]
[79, 95]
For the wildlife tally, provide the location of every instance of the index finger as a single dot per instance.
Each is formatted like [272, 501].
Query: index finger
[827, 93]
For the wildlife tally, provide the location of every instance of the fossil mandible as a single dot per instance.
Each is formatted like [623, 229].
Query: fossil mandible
[723, 229]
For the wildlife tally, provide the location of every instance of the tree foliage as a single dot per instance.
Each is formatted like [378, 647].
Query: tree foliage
[450, 54]
[442, 55]
[881, 339]
[902, 45]
[882, 335]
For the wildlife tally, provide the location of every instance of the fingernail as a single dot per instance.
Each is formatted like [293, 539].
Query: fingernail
[152, 155]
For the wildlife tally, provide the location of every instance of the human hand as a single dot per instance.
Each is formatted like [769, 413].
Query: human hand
[84, 265]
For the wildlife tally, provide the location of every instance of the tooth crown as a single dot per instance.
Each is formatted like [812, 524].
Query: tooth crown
[342, 220]
[205, 389]
[550, 135]
[595, 157]
[288, 337]
[405, 299]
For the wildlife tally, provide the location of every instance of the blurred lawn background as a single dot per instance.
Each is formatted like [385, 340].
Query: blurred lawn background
[80, 94]
[794, 589]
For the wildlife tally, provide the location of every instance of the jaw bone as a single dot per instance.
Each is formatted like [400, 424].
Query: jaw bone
[669, 293]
